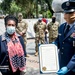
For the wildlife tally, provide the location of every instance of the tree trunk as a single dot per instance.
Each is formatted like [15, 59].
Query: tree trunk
[49, 6]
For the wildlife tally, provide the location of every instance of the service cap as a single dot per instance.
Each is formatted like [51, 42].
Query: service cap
[68, 6]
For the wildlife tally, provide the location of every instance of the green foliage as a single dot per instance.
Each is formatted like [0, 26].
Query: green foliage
[0, 7]
[27, 7]
[14, 8]
[5, 5]
[49, 14]
[49, 2]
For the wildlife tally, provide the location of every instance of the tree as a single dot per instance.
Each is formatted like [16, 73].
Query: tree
[5, 5]
[27, 7]
[49, 2]
[14, 8]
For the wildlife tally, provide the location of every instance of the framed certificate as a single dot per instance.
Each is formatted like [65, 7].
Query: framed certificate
[48, 56]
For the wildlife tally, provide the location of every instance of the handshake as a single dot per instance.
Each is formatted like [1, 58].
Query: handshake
[63, 71]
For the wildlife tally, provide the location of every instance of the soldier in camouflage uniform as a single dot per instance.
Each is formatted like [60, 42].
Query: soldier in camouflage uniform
[53, 29]
[39, 29]
[22, 28]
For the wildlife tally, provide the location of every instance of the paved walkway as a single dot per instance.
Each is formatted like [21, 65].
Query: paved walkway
[32, 63]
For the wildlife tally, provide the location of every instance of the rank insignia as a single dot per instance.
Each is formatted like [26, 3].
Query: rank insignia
[73, 43]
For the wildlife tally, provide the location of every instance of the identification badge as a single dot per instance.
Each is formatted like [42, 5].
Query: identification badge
[73, 43]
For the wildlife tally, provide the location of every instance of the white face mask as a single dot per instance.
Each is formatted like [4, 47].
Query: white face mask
[10, 29]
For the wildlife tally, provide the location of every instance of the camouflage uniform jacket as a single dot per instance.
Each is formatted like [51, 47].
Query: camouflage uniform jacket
[22, 27]
[39, 29]
[53, 29]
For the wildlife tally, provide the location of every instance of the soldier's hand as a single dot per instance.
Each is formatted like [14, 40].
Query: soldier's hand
[46, 31]
[21, 33]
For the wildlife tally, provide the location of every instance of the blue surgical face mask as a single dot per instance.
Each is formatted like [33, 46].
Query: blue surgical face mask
[10, 29]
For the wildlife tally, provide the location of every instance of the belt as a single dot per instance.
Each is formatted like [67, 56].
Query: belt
[4, 67]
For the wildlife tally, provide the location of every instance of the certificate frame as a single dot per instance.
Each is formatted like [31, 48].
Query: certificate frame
[48, 57]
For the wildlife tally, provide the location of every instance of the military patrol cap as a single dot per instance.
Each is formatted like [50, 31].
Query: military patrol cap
[68, 6]
[20, 14]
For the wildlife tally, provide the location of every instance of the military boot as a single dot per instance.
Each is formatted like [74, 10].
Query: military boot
[36, 53]
[27, 55]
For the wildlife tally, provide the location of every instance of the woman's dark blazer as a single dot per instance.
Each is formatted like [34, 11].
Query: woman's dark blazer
[4, 60]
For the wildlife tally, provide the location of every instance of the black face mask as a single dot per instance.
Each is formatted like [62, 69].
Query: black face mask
[53, 20]
[39, 20]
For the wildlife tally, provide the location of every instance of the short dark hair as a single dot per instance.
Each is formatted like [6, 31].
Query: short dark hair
[10, 17]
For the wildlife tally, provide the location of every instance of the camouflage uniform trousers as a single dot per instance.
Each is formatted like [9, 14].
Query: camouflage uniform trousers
[25, 39]
[38, 41]
[52, 39]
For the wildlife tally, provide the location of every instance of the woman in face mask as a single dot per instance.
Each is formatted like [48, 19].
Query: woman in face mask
[12, 49]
